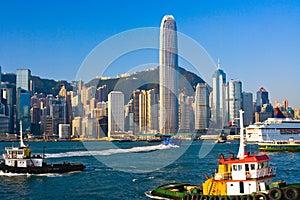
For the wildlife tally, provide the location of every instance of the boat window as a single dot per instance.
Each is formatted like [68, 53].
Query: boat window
[20, 152]
[234, 168]
[252, 166]
[240, 167]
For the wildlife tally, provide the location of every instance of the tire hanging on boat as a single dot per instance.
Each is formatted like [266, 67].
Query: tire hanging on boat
[213, 198]
[223, 198]
[291, 193]
[275, 194]
[246, 197]
[186, 197]
[234, 198]
[196, 197]
[204, 197]
[260, 196]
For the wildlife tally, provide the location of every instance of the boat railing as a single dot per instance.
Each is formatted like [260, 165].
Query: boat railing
[223, 176]
[268, 171]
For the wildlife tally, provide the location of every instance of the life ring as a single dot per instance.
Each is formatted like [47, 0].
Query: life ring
[291, 193]
[246, 197]
[275, 194]
[260, 196]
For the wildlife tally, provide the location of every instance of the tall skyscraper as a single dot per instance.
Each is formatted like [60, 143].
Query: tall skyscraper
[262, 97]
[233, 100]
[248, 108]
[115, 112]
[23, 99]
[168, 78]
[22, 80]
[202, 107]
[218, 101]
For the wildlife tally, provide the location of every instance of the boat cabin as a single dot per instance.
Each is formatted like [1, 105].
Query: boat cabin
[21, 157]
[241, 175]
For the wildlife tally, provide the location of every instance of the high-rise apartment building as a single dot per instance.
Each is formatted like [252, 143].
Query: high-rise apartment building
[115, 112]
[218, 98]
[168, 78]
[202, 114]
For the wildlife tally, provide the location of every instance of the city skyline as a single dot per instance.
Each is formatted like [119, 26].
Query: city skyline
[258, 42]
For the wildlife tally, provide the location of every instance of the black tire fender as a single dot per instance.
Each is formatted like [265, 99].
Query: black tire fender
[246, 197]
[213, 198]
[275, 194]
[258, 196]
[223, 198]
[234, 198]
[291, 193]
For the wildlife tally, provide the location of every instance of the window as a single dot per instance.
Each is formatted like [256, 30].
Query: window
[252, 166]
[240, 167]
[234, 168]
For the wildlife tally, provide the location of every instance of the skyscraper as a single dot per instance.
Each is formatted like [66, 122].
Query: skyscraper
[115, 112]
[218, 102]
[248, 108]
[23, 76]
[201, 107]
[262, 97]
[168, 78]
[23, 99]
[233, 99]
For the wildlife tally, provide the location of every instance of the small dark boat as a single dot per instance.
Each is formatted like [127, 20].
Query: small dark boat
[20, 160]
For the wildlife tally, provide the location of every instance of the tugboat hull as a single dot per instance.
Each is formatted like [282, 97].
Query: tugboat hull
[181, 191]
[46, 168]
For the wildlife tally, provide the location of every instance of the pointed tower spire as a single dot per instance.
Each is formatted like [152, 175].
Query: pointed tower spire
[219, 64]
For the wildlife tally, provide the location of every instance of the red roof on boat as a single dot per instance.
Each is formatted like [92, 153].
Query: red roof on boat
[247, 159]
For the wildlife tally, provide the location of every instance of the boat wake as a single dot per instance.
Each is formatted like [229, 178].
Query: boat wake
[9, 174]
[108, 152]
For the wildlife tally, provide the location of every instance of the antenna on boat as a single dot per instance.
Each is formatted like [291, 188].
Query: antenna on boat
[21, 135]
[241, 153]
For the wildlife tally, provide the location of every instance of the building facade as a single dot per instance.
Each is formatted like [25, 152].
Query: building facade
[115, 113]
[168, 77]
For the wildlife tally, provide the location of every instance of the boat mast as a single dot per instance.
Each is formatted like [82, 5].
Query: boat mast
[241, 153]
[21, 135]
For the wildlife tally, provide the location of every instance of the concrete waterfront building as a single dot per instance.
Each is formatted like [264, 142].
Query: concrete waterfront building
[218, 98]
[115, 113]
[202, 114]
[168, 77]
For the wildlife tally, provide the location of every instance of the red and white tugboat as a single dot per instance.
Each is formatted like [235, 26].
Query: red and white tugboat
[19, 160]
[245, 177]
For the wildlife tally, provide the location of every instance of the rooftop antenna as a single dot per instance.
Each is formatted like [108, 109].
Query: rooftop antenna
[219, 63]
[241, 153]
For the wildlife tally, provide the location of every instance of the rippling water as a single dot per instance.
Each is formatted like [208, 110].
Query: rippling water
[120, 180]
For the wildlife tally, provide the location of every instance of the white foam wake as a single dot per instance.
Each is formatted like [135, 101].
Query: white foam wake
[108, 152]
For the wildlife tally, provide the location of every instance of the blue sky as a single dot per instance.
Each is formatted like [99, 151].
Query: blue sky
[258, 42]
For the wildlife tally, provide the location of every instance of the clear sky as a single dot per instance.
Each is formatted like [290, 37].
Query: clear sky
[257, 41]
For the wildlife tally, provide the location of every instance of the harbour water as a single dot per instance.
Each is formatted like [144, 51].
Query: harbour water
[127, 170]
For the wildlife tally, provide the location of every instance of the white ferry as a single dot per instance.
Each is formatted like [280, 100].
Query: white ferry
[273, 129]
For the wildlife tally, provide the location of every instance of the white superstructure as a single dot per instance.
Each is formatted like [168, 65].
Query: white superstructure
[273, 129]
